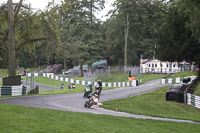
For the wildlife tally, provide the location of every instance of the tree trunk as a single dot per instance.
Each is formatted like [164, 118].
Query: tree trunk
[11, 41]
[89, 68]
[126, 30]
[199, 72]
[81, 68]
[65, 64]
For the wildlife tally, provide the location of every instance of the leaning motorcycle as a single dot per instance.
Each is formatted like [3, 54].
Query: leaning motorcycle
[92, 100]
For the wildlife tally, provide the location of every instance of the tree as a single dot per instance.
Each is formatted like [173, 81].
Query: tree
[180, 33]
[81, 30]
[31, 30]
[11, 41]
[138, 22]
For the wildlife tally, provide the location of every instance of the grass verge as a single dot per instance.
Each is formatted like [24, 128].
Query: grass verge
[183, 74]
[154, 104]
[196, 88]
[123, 77]
[29, 119]
[3, 73]
[56, 83]
[149, 77]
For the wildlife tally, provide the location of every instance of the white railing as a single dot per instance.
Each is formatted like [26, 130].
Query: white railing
[193, 100]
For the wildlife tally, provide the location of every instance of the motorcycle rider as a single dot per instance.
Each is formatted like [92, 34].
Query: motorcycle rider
[88, 90]
[69, 86]
[73, 86]
[90, 86]
[100, 83]
[99, 86]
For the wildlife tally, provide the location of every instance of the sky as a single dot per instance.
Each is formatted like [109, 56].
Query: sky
[41, 4]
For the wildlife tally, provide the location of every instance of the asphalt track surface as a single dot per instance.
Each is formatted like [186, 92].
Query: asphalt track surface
[75, 101]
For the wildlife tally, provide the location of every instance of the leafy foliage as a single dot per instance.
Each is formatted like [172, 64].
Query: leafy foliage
[31, 29]
[145, 18]
[71, 34]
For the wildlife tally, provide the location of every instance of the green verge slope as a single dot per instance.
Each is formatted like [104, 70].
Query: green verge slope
[154, 104]
[36, 120]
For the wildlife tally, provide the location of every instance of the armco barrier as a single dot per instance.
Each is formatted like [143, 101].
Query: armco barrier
[193, 100]
[175, 80]
[12, 90]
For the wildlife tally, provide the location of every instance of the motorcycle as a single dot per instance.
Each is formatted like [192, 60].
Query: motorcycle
[92, 100]
[88, 91]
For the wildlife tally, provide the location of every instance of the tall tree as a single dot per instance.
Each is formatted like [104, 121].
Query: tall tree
[30, 29]
[134, 27]
[11, 41]
[179, 39]
[82, 29]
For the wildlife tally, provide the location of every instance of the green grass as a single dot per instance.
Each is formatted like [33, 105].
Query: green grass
[183, 74]
[196, 88]
[53, 82]
[56, 83]
[123, 77]
[36, 120]
[149, 77]
[80, 88]
[78, 78]
[3, 73]
[154, 104]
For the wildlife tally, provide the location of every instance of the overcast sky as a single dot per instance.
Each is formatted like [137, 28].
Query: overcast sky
[41, 4]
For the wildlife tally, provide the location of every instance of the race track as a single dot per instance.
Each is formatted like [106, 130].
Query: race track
[75, 101]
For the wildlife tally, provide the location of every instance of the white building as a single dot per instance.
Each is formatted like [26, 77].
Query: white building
[157, 66]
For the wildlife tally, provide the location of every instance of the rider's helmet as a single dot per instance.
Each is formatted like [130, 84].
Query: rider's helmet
[90, 85]
[99, 82]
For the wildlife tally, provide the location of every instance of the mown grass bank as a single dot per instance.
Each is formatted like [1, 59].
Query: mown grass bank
[154, 104]
[79, 88]
[56, 83]
[183, 74]
[196, 88]
[36, 120]
[123, 77]
[3, 73]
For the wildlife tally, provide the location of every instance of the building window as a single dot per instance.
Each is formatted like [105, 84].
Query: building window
[167, 64]
[156, 65]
